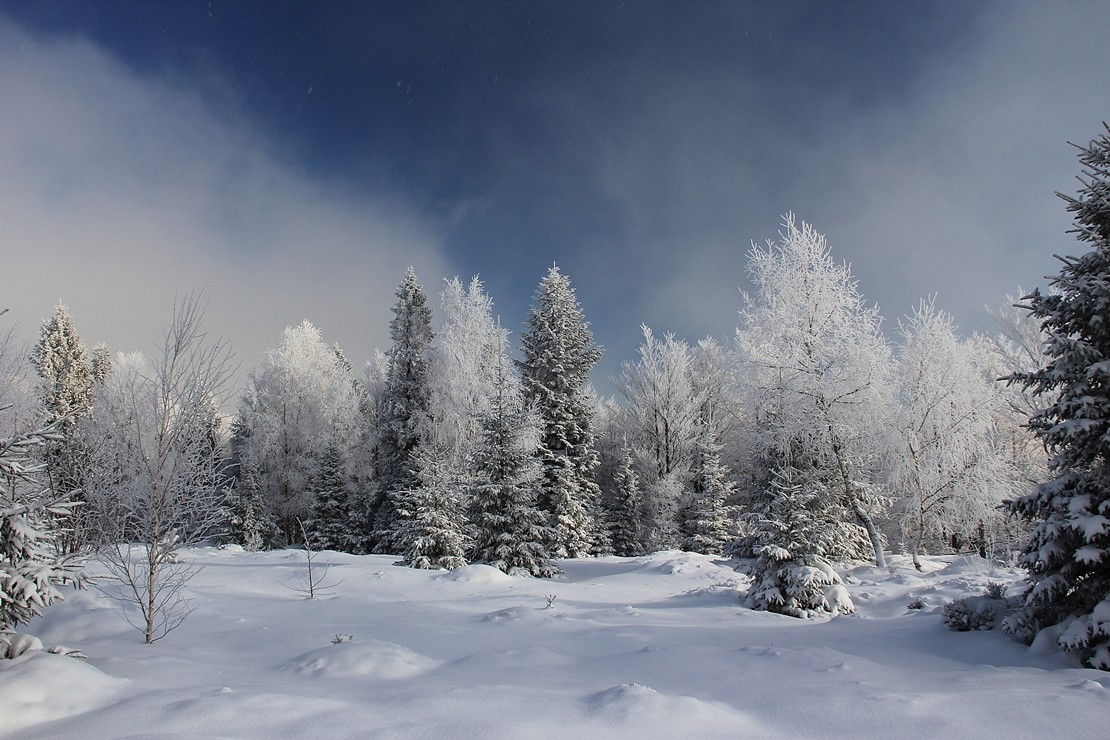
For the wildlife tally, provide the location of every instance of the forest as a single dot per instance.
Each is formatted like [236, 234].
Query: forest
[817, 437]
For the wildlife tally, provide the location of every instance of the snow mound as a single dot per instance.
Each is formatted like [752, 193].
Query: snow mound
[375, 659]
[477, 574]
[642, 710]
[41, 687]
[522, 614]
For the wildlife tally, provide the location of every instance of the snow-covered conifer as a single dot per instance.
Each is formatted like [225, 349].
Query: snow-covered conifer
[31, 568]
[402, 420]
[330, 526]
[706, 525]
[559, 352]
[791, 575]
[1068, 554]
[626, 527]
[510, 533]
[431, 528]
[248, 519]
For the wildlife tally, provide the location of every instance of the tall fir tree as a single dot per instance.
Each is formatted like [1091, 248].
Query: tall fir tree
[510, 533]
[65, 390]
[626, 526]
[559, 352]
[706, 526]
[330, 526]
[1066, 558]
[431, 529]
[402, 413]
[248, 520]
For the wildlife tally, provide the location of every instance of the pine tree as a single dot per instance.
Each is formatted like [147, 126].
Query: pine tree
[402, 413]
[559, 352]
[509, 531]
[431, 530]
[626, 530]
[330, 526]
[31, 570]
[1066, 558]
[707, 525]
[792, 575]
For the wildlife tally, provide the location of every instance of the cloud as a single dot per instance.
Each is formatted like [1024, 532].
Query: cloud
[120, 191]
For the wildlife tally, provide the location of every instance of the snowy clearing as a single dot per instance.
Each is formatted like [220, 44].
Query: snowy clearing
[655, 646]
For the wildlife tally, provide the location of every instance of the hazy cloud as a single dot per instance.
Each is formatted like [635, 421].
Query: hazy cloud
[119, 192]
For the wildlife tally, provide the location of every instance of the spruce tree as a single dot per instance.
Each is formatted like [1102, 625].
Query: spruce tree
[1066, 557]
[249, 521]
[706, 523]
[510, 533]
[626, 527]
[402, 408]
[431, 530]
[792, 574]
[330, 526]
[65, 390]
[559, 352]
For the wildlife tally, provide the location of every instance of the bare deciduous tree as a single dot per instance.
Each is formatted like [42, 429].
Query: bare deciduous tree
[154, 481]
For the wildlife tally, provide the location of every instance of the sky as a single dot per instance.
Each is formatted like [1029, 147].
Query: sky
[290, 160]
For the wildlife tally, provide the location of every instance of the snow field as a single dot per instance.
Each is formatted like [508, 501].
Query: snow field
[658, 646]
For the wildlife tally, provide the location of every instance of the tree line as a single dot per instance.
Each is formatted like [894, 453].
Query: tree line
[811, 437]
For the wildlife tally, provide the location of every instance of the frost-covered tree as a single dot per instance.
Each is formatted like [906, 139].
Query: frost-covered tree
[31, 567]
[431, 528]
[626, 525]
[817, 368]
[154, 480]
[558, 353]
[948, 470]
[791, 574]
[470, 345]
[402, 418]
[1067, 558]
[510, 532]
[301, 395]
[662, 404]
[707, 526]
[65, 392]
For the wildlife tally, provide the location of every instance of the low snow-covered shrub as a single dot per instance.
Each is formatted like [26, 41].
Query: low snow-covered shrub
[981, 612]
[916, 604]
[804, 586]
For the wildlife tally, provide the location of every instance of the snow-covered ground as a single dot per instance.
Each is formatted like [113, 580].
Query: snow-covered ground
[658, 646]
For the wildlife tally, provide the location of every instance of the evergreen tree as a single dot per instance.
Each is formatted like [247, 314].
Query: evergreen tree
[707, 526]
[330, 526]
[1066, 556]
[559, 351]
[31, 569]
[792, 575]
[625, 529]
[509, 531]
[65, 390]
[248, 518]
[431, 530]
[402, 413]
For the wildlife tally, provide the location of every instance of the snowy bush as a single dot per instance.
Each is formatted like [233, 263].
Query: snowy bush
[982, 612]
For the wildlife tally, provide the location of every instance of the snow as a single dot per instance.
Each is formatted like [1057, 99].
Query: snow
[658, 646]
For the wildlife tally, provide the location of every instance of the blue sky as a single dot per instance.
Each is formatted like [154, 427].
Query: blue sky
[293, 158]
